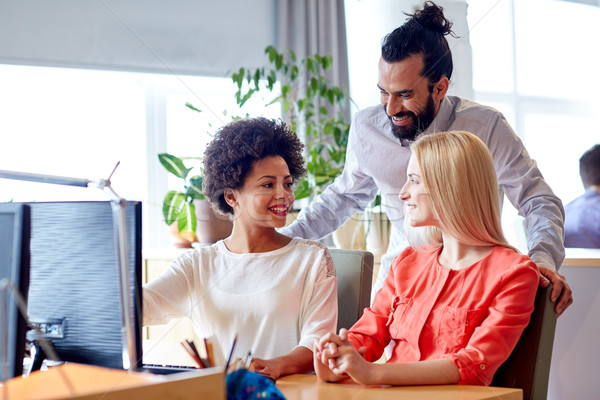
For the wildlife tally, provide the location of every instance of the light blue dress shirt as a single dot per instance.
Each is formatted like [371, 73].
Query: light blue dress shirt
[582, 221]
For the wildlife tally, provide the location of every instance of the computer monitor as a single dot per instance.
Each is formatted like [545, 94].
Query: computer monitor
[14, 267]
[74, 291]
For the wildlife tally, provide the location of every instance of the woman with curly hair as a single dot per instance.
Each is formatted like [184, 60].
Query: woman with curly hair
[276, 293]
[454, 303]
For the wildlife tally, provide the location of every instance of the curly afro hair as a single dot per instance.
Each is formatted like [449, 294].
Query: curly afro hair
[230, 156]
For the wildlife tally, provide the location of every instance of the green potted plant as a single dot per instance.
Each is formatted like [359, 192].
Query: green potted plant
[310, 104]
[187, 209]
[178, 205]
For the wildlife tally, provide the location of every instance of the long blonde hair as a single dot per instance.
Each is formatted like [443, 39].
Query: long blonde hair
[458, 170]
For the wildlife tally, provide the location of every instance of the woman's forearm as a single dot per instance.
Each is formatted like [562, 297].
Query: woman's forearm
[430, 372]
[298, 361]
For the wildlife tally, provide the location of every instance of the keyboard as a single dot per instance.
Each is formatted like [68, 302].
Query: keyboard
[167, 369]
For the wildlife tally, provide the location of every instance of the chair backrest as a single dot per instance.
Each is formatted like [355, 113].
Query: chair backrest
[528, 366]
[355, 273]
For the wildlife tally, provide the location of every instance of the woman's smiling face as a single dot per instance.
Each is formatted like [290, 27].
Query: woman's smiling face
[416, 196]
[267, 195]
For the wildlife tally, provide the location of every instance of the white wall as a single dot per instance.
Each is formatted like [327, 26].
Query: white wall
[199, 37]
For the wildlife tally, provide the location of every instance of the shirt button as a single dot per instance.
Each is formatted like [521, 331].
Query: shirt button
[481, 366]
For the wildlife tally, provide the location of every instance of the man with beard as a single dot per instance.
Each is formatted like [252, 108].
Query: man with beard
[414, 74]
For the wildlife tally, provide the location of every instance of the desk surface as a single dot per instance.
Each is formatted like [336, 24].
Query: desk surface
[296, 387]
[86, 382]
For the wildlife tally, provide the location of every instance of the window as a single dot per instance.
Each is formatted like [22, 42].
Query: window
[543, 79]
[533, 61]
[80, 123]
[75, 123]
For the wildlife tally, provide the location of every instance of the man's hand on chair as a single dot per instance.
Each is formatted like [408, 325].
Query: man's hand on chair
[560, 288]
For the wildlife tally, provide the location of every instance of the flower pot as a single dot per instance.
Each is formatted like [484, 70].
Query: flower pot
[378, 229]
[351, 234]
[177, 240]
[212, 226]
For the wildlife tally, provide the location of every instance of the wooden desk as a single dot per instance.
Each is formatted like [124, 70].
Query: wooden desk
[307, 387]
[86, 382]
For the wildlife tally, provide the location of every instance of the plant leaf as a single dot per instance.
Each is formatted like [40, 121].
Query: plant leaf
[246, 97]
[174, 165]
[194, 189]
[191, 107]
[272, 52]
[172, 205]
[186, 219]
[302, 190]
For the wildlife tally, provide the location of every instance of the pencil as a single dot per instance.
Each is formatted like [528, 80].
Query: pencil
[230, 353]
[192, 354]
[211, 357]
[205, 362]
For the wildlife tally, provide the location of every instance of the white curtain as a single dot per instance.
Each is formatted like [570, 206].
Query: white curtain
[311, 27]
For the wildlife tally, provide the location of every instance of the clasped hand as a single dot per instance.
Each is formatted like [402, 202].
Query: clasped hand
[335, 359]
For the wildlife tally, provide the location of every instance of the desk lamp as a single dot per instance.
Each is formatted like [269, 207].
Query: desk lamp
[120, 228]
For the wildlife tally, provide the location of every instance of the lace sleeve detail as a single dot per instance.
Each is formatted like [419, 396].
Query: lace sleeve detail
[327, 261]
[329, 265]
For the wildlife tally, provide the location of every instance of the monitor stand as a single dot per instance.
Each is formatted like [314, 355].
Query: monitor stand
[37, 357]
[40, 349]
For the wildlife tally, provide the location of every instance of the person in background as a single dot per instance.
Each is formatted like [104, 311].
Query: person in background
[415, 69]
[457, 301]
[275, 293]
[582, 215]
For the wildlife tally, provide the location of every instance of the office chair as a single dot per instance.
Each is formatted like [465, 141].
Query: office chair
[355, 273]
[528, 366]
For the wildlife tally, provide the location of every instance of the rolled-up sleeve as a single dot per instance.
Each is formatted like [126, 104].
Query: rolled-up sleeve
[522, 182]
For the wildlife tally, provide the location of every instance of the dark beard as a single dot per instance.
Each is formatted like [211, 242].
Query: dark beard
[420, 122]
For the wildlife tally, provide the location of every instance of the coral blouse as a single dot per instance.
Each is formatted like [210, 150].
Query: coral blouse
[473, 316]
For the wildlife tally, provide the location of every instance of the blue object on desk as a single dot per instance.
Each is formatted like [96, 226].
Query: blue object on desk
[244, 384]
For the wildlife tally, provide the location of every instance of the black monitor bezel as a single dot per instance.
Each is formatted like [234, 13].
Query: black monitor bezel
[16, 327]
[63, 349]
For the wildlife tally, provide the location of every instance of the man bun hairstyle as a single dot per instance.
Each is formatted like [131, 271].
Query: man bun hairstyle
[423, 33]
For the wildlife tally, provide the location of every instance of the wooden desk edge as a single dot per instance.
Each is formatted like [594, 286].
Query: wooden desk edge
[582, 257]
[85, 382]
[304, 386]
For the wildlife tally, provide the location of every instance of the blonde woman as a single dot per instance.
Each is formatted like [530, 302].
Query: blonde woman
[456, 302]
